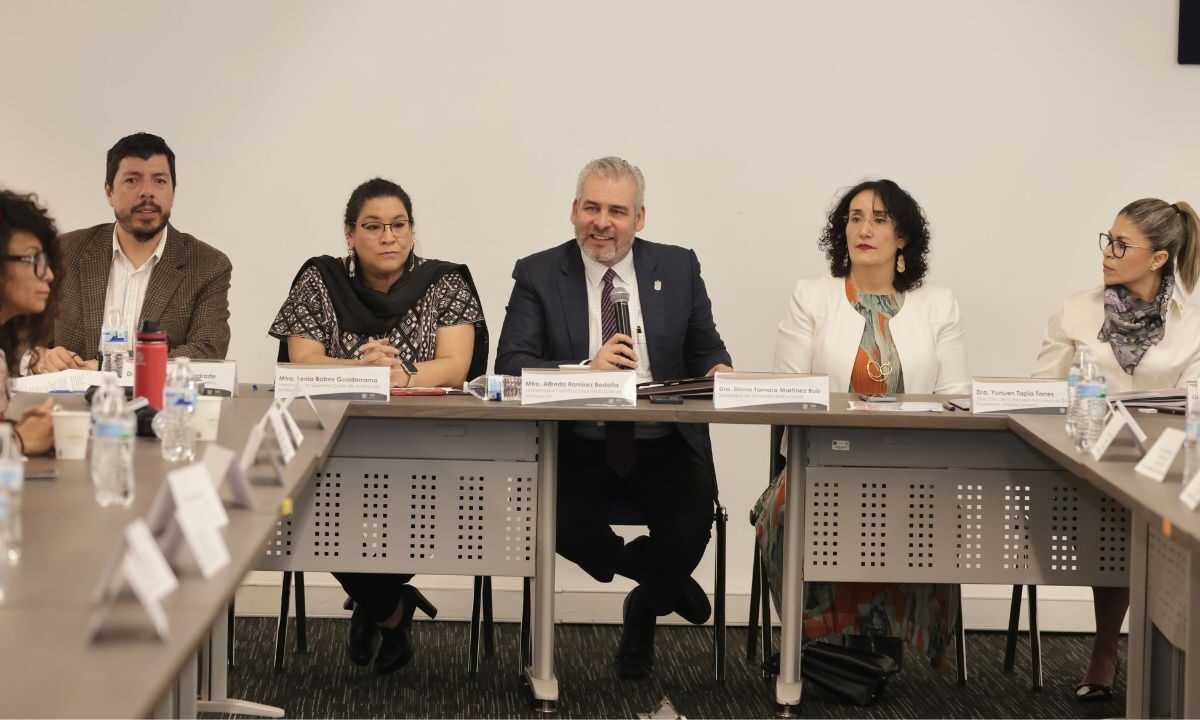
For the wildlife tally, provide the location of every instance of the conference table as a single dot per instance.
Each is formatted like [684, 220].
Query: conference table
[128, 673]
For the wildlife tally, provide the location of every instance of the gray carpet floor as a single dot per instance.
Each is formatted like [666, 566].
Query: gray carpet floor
[322, 683]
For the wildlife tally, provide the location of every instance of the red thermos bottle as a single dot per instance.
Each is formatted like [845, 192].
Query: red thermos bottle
[150, 364]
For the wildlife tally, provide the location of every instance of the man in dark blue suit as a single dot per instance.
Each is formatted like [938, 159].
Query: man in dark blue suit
[559, 313]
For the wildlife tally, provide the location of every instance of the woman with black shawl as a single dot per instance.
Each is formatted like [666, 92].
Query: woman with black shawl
[383, 305]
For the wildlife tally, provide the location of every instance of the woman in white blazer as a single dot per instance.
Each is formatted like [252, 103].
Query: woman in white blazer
[1144, 337]
[873, 327]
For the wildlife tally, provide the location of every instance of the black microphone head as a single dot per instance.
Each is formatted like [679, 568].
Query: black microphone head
[619, 295]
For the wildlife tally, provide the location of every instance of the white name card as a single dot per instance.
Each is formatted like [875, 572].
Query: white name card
[370, 383]
[778, 390]
[1191, 492]
[1112, 428]
[199, 512]
[219, 376]
[1158, 461]
[1018, 396]
[283, 438]
[582, 387]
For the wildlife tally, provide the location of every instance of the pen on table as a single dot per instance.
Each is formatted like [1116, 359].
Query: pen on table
[949, 407]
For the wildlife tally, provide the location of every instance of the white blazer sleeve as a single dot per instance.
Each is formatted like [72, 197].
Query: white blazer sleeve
[794, 341]
[953, 376]
[1054, 359]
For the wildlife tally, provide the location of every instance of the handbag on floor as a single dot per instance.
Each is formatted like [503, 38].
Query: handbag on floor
[858, 676]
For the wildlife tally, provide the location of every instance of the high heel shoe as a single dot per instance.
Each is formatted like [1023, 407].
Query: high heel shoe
[396, 649]
[1098, 692]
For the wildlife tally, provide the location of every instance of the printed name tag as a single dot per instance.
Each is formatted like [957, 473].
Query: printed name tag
[779, 391]
[1018, 396]
[283, 438]
[1116, 421]
[587, 387]
[1191, 493]
[370, 383]
[219, 377]
[1158, 461]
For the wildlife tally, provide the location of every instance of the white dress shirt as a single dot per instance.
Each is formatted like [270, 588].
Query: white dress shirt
[822, 331]
[1169, 363]
[626, 277]
[127, 284]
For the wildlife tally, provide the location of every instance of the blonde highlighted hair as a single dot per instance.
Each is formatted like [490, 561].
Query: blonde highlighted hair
[1174, 227]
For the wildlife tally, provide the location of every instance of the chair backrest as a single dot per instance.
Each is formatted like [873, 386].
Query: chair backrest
[777, 458]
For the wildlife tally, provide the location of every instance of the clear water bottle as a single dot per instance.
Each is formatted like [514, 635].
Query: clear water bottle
[114, 343]
[179, 406]
[1080, 358]
[1091, 399]
[12, 477]
[1191, 440]
[112, 445]
[495, 387]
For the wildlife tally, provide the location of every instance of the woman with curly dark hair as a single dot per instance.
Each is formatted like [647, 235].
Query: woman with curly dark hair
[875, 328]
[28, 297]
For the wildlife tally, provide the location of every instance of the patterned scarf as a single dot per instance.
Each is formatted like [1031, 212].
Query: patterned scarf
[876, 344]
[1132, 326]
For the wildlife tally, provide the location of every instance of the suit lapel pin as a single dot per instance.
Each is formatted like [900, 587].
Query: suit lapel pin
[658, 284]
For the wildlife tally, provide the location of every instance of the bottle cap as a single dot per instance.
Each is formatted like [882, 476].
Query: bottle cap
[150, 331]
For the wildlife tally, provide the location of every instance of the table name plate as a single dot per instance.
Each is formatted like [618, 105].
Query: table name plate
[219, 376]
[780, 391]
[370, 383]
[1019, 396]
[586, 387]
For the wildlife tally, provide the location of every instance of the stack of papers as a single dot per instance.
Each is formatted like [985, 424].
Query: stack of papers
[1173, 400]
[896, 406]
[61, 381]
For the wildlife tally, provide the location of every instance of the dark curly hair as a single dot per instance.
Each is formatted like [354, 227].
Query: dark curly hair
[910, 224]
[22, 213]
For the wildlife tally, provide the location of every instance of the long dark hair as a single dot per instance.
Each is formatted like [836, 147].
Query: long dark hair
[22, 213]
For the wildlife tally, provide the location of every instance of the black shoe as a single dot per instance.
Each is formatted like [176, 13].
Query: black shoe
[396, 650]
[362, 639]
[693, 604]
[635, 654]
[1097, 692]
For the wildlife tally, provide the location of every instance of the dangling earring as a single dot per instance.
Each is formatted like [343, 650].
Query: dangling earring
[899, 262]
[350, 260]
[846, 259]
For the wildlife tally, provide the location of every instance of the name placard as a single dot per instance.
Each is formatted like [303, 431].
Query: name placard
[1158, 461]
[1019, 396]
[780, 391]
[219, 376]
[578, 387]
[371, 383]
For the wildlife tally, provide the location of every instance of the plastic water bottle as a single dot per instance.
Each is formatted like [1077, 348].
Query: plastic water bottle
[12, 477]
[1191, 440]
[114, 343]
[495, 387]
[1091, 397]
[179, 406]
[112, 445]
[1080, 358]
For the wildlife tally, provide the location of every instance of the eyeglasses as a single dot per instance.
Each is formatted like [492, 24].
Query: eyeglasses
[375, 229]
[1118, 246]
[40, 262]
[876, 220]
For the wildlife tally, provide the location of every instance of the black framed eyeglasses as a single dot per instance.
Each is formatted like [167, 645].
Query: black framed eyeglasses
[40, 262]
[1118, 246]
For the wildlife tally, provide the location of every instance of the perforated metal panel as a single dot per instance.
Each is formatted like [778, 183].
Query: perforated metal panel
[461, 517]
[1168, 582]
[958, 525]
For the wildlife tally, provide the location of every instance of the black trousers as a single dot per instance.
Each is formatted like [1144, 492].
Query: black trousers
[379, 594]
[674, 489]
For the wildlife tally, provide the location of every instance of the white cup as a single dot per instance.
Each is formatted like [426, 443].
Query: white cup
[71, 430]
[207, 417]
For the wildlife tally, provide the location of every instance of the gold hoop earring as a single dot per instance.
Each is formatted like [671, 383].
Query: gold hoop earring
[900, 262]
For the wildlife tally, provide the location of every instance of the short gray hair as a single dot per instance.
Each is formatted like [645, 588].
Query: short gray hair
[613, 168]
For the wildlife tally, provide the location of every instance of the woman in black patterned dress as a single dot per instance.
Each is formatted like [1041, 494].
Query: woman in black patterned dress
[383, 305]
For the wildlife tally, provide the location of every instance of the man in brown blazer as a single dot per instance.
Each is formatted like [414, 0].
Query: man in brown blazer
[140, 265]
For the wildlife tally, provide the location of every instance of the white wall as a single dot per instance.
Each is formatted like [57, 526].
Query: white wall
[1021, 126]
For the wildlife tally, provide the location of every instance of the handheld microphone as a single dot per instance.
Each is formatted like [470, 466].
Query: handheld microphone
[620, 301]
